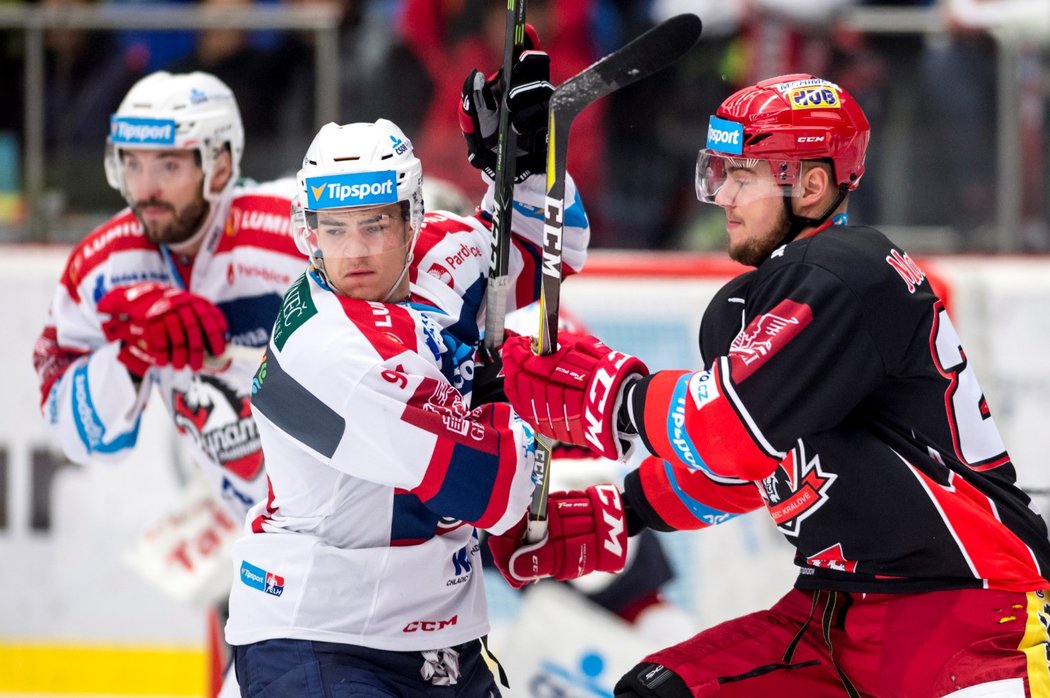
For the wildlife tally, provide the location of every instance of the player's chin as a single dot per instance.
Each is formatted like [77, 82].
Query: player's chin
[358, 288]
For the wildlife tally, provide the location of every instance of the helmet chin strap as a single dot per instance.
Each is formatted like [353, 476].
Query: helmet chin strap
[797, 223]
[409, 256]
[393, 289]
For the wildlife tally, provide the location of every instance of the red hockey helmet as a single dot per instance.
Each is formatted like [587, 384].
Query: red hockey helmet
[784, 121]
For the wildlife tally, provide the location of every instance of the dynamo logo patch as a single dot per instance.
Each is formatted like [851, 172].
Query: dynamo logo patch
[354, 189]
[128, 130]
[725, 136]
[258, 578]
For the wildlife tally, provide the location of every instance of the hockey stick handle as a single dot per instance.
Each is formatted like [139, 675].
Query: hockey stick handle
[499, 261]
[536, 526]
[647, 54]
[643, 56]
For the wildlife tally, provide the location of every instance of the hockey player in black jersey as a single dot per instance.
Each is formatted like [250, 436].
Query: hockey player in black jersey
[836, 394]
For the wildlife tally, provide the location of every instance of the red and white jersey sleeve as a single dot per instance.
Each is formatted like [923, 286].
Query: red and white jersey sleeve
[452, 254]
[247, 260]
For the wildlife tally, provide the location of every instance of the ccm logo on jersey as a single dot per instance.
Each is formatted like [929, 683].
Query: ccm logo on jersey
[429, 626]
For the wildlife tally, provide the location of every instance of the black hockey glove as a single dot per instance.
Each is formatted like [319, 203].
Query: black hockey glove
[529, 98]
[648, 680]
[488, 379]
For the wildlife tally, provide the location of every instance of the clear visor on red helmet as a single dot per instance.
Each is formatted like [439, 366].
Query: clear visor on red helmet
[727, 179]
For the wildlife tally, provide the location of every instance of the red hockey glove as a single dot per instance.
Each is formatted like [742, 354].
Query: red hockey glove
[586, 532]
[530, 94]
[160, 325]
[572, 395]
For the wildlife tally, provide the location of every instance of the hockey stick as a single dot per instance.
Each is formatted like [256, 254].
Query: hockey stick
[647, 54]
[499, 261]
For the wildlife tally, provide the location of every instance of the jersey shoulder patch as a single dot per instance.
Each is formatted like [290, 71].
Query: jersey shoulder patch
[296, 308]
[260, 220]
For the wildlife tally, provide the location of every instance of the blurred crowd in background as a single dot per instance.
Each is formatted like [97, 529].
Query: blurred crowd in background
[931, 98]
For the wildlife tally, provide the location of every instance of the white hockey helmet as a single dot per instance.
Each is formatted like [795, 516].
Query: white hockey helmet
[356, 165]
[181, 111]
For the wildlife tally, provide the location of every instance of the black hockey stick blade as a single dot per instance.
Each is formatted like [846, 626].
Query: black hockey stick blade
[649, 53]
[643, 56]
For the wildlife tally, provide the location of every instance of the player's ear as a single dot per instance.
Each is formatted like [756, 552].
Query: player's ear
[222, 170]
[816, 183]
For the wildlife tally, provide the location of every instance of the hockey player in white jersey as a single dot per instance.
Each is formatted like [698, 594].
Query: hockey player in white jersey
[196, 264]
[196, 261]
[361, 571]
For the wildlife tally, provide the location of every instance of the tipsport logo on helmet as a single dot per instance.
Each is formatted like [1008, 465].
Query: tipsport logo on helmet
[725, 136]
[354, 189]
[138, 131]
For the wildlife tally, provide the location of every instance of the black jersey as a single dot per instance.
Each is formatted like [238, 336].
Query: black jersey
[835, 382]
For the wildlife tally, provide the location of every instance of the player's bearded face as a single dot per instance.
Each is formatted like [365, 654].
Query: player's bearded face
[756, 220]
[365, 251]
[166, 193]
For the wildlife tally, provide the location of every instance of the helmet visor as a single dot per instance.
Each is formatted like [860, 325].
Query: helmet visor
[732, 180]
[348, 233]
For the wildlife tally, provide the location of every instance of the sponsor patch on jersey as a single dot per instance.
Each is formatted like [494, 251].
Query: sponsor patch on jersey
[703, 388]
[725, 136]
[353, 189]
[127, 130]
[258, 578]
[817, 97]
[441, 274]
[683, 445]
[296, 308]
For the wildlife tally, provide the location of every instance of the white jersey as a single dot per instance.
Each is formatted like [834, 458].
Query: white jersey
[379, 470]
[247, 260]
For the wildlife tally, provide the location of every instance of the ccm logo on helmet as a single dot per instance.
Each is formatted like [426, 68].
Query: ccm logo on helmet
[123, 129]
[355, 189]
[725, 136]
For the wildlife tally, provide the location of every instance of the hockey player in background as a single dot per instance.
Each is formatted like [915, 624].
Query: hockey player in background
[196, 263]
[361, 573]
[835, 393]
